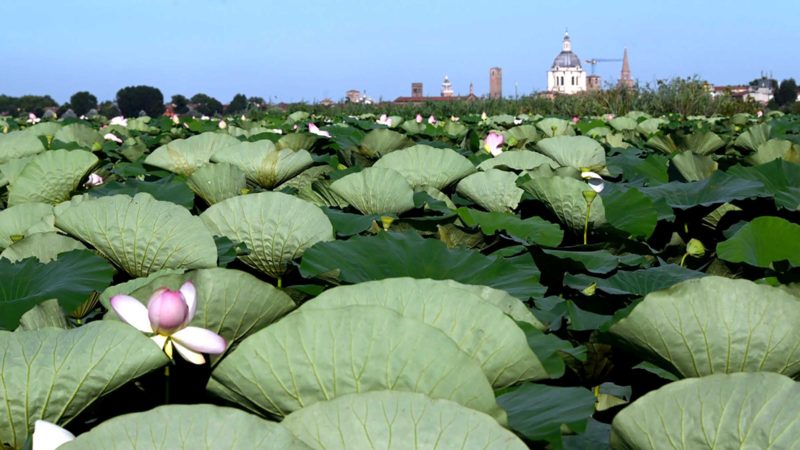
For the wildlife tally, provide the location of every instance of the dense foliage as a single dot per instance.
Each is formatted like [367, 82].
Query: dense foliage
[483, 281]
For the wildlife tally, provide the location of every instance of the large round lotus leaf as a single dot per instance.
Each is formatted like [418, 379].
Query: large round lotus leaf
[263, 163]
[423, 165]
[276, 228]
[320, 354]
[735, 411]
[455, 130]
[564, 196]
[9, 171]
[650, 127]
[381, 141]
[714, 324]
[494, 190]
[574, 151]
[79, 134]
[694, 167]
[376, 190]
[506, 302]
[50, 177]
[184, 156]
[521, 135]
[196, 427]
[762, 242]
[392, 419]
[53, 375]
[17, 144]
[217, 182]
[44, 129]
[623, 124]
[42, 246]
[17, 220]
[774, 149]
[555, 127]
[231, 303]
[479, 328]
[296, 141]
[703, 142]
[754, 136]
[519, 160]
[140, 234]
[312, 186]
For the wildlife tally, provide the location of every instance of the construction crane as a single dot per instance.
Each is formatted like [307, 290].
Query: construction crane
[594, 61]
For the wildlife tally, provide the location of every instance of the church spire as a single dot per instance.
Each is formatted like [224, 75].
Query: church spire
[566, 46]
[625, 75]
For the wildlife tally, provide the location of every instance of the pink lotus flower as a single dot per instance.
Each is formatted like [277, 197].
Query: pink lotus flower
[575, 119]
[432, 120]
[119, 120]
[609, 117]
[493, 142]
[222, 125]
[49, 436]
[759, 113]
[384, 120]
[594, 180]
[167, 315]
[112, 137]
[313, 129]
[94, 180]
[32, 119]
[176, 120]
[418, 118]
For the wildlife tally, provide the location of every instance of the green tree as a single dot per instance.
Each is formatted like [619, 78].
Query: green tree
[238, 104]
[133, 99]
[180, 103]
[35, 104]
[786, 94]
[207, 105]
[81, 102]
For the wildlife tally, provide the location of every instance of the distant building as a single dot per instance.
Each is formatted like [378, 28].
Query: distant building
[495, 82]
[593, 83]
[416, 89]
[762, 92]
[355, 96]
[326, 102]
[566, 76]
[447, 87]
[625, 79]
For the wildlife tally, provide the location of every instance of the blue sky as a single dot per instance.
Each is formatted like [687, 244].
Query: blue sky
[314, 49]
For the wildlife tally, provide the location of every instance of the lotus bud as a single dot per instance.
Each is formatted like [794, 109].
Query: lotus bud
[244, 191]
[386, 221]
[341, 166]
[112, 137]
[695, 248]
[432, 120]
[243, 118]
[590, 290]
[575, 119]
[94, 180]
[167, 311]
[222, 125]
[484, 116]
[589, 196]
[418, 119]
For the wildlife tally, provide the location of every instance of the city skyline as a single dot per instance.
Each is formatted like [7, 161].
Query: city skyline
[223, 47]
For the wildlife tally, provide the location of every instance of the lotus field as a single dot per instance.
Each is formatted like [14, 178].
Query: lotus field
[341, 282]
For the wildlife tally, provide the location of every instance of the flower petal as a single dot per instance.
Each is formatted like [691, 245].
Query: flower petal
[189, 293]
[189, 355]
[201, 340]
[160, 340]
[49, 436]
[132, 312]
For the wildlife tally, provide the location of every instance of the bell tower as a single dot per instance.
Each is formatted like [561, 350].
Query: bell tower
[495, 82]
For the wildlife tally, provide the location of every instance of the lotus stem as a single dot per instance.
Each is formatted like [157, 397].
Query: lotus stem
[683, 260]
[280, 282]
[166, 384]
[586, 224]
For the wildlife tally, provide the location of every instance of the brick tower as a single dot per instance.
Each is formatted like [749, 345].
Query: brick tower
[495, 82]
[625, 79]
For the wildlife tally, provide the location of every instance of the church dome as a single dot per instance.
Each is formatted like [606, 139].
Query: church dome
[567, 59]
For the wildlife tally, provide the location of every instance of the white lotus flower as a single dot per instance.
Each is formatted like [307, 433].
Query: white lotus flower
[313, 129]
[493, 142]
[32, 119]
[484, 116]
[205, 117]
[594, 181]
[432, 120]
[759, 113]
[94, 180]
[49, 436]
[222, 125]
[384, 120]
[517, 121]
[454, 119]
[112, 137]
[167, 315]
[243, 118]
[176, 120]
[119, 120]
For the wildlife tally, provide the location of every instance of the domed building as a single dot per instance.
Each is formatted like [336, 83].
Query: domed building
[566, 76]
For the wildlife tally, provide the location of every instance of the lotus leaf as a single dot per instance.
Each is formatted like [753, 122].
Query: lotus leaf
[774, 149]
[321, 354]
[50, 177]
[480, 328]
[623, 123]
[762, 242]
[184, 156]
[277, 228]
[17, 220]
[296, 141]
[217, 182]
[741, 410]
[716, 325]
[392, 419]
[694, 167]
[552, 126]
[574, 151]
[650, 127]
[519, 160]
[521, 135]
[564, 196]
[42, 246]
[703, 142]
[140, 234]
[263, 163]
[423, 165]
[18, 144]
[79, 134]
[73, 369]
[382, 141]
[754, 136]
[495, 190]
[636, 282]
[197, 427]
[376, 190]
